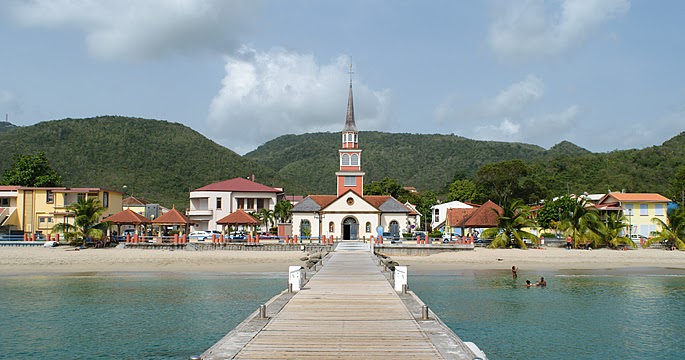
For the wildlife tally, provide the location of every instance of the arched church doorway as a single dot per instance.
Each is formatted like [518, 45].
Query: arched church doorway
[395, 229]
[350, 228]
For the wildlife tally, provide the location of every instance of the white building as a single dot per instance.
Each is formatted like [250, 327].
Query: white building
[439, 211]
[350, 215]
[215, 201]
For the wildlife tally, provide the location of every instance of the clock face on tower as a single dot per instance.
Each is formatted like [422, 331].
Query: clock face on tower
[350, 201]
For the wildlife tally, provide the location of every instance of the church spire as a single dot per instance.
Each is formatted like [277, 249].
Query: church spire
[350, 126]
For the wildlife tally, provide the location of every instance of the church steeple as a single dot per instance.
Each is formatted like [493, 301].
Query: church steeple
[349, 119]
[350, 176]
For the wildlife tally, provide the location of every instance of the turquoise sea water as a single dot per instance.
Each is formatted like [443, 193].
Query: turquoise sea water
[124, 316]
[174, 316]
[589, 316]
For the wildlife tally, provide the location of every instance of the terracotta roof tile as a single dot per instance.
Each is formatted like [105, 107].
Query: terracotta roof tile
[134, 201]
[127, 216]
[377, 200]
[238, 184]
[485, 216]
[172, 217]
[636, 197]
[238, 217]
[323, 200]
[9, 187]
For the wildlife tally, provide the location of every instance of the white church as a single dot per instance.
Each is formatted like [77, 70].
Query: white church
[350, 215]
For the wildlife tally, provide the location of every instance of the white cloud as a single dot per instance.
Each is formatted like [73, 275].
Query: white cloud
[140, 29]
[506, 130]
[268, 94]
[551, 128]
[524, 30]
[514, 99]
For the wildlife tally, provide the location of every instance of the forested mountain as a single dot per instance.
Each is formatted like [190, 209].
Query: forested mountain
[156, 160]
[427, 162]
[162, 161]
[5, 126]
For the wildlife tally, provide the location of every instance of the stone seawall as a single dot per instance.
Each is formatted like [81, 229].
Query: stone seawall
[420, 250]
[231, 246]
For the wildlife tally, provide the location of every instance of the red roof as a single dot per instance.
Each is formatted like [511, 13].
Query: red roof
[9, 187]
[323, 200]
[172, 217]
[377, 200]
[128, 216]
[134, 201]
[485, 215]
[238, 184]
[238, 217]
[635, 197]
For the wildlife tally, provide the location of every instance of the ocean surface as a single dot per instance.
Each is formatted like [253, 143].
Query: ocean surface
[175, 316]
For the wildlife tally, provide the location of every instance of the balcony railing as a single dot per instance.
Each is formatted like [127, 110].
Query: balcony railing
[205, 212]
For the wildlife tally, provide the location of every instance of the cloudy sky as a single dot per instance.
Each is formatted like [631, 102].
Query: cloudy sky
[604, 74]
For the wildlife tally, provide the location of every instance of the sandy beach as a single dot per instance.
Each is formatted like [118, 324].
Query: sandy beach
[18, 260]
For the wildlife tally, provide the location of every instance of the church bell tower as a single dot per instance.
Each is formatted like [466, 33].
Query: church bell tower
[350, 176]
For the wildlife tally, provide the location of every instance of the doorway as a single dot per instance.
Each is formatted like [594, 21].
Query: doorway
[350, 228]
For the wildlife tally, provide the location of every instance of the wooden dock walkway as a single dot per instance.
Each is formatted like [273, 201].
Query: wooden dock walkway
[348, 310]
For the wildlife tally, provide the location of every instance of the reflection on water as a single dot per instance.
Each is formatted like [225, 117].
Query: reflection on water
[574, 317]
[147, 315]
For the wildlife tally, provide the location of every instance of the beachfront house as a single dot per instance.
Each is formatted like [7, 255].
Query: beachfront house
[639, 208]
[439, 212]
[38, 209]
[213, 202]
[471, 221]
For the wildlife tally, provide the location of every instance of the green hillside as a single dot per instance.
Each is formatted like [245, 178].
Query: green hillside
[427, 162]
[156, 160]
[5, 126]
[431, 162]
[162, 161]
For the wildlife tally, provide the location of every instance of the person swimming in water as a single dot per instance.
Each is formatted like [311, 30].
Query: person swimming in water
[541, 282]
[528, 284]
[514, 269]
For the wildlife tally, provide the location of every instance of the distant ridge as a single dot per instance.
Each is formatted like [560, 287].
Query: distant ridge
[161, 161]
[6, 126]
[157, 160]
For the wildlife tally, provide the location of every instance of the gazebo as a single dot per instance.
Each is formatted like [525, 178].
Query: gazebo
[173, 217]
[237, 218]
[127, 217]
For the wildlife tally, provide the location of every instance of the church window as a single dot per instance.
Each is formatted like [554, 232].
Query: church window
[346, 160]
[368, 227]
[350, 201]
[350, 181]
[305, 228]
[354, 160]
[331, 226]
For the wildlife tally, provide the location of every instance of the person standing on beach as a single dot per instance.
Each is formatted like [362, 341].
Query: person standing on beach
[514, 269]
[569, 242]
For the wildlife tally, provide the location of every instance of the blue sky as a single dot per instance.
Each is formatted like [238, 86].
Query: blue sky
[603, 74]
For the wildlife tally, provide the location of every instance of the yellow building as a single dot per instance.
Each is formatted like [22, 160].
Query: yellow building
[39, 209]
[639, 208]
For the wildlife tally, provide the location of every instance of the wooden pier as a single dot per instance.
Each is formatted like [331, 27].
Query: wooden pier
[348, 310]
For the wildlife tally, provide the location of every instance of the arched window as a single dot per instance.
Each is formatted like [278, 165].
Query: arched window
[368, 227]
[354, 160]
[331, 227]
[346, 160]
[305, 228]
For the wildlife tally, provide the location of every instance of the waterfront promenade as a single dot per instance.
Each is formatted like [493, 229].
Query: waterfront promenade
[347, 310]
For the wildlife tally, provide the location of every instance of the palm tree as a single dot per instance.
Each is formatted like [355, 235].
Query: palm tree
[86, 220]
[673, 233]
[282, 210]
[510, 224]
[612, 231]
[267, 217]
[582, 224]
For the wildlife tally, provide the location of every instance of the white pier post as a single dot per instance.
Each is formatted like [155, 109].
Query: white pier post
[295, 277]
[400, 277]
